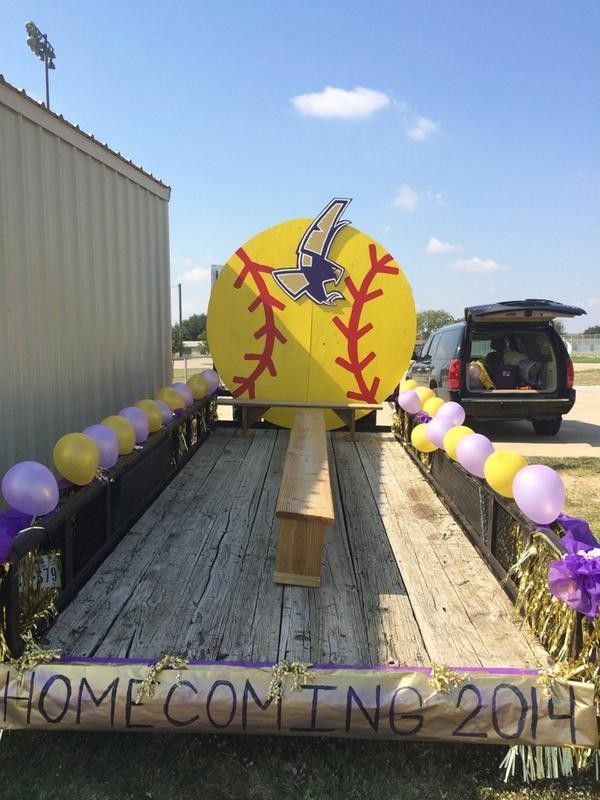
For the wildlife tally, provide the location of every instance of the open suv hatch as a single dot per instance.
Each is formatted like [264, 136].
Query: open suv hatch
[506, 361]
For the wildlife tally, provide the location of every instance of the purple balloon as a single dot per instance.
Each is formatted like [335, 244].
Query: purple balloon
[31, 488]
[539, 492]
[185, 391]
[473, 451]
[452, 411]
[409, 401]
[139, 421]
[212, 380]
[437, 429]
[167, 413]
[107, 443]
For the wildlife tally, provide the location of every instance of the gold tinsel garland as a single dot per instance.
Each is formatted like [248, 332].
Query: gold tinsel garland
[33, 655]
[444, 679]
[4, 649]
[148, 686]
[294, 673]
[37, 602]
[572, 641]
[212, 416]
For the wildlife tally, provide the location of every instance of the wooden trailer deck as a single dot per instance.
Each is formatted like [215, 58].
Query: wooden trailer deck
[400, 582]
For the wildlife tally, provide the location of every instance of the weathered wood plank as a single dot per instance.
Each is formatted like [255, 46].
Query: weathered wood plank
[153, 620]
[250, 628]
[327, 625]
[450, 586]
[201, 615]
[82, 626]
[195, 574]
[305, 487]
[393, 635]
[221, 446]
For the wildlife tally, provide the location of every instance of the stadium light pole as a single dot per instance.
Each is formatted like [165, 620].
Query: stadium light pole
[41, 47]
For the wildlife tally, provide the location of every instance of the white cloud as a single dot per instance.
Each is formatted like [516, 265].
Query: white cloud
[422, 128]
[436, 246]
[195, 275]
[476, 264]
[406, 198]
[341, 103]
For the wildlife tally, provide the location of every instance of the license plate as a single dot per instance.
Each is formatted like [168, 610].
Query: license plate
[46, 574]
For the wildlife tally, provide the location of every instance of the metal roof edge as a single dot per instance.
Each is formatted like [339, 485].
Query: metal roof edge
[18, 100]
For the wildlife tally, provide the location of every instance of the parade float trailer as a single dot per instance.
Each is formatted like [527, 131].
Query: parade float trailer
[287, 576]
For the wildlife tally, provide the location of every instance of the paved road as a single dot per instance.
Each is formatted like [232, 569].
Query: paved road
[578, 436]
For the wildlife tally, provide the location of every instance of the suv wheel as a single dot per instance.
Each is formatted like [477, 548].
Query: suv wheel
[546, 427]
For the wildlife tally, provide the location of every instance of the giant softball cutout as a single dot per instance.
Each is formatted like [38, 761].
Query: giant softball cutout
[311, 310]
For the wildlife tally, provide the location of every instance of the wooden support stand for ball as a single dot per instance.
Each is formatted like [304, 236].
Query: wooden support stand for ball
[305, 503]
[254, 410]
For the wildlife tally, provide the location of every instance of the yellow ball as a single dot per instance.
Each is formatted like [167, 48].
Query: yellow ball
[424, 393]
[124, 430]
[409, 383]
[171, 397]
[419, 439]
[433, 405]
[199, 386]
[453, 437]
[500, 470]
[77, 458]
[153, 412]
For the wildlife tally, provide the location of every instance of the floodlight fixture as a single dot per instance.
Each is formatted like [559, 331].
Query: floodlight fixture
[41, 47]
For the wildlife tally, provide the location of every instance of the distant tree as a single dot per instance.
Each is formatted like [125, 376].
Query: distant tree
[175, 338]
[594, 330]
[193, 329]
[559, 327]
[430, 320]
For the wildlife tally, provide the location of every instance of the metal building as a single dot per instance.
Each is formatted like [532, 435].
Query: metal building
[85, 325]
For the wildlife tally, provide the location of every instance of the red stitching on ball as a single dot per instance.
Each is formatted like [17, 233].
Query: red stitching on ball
[353, 331]
[270, 331]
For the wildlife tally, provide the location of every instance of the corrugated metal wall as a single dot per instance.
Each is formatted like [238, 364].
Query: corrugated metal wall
[85, 325]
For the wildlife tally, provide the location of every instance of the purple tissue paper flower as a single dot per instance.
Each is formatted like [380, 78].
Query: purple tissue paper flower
[575, 579]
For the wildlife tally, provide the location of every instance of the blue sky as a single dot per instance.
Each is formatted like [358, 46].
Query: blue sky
[468, 133]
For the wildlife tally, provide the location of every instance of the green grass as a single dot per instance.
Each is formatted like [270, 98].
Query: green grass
[582, 479]
[583, 359]
[71, 766]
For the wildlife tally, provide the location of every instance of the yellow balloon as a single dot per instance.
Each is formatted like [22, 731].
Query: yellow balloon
[419, 440]
[153, 412]
[77, 458]
[409, 383]
[453, 437]
[171, 397]
[199, 386]
[433, 405]
[124, 430]
[424, 393]
[500, 470]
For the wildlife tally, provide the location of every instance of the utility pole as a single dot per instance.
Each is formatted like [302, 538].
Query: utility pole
[180, 323]
[39, 44]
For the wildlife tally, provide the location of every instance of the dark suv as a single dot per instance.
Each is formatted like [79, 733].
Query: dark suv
[506, 361]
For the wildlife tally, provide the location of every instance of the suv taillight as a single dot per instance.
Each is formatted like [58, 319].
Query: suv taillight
[454, 374]
[570, 374]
